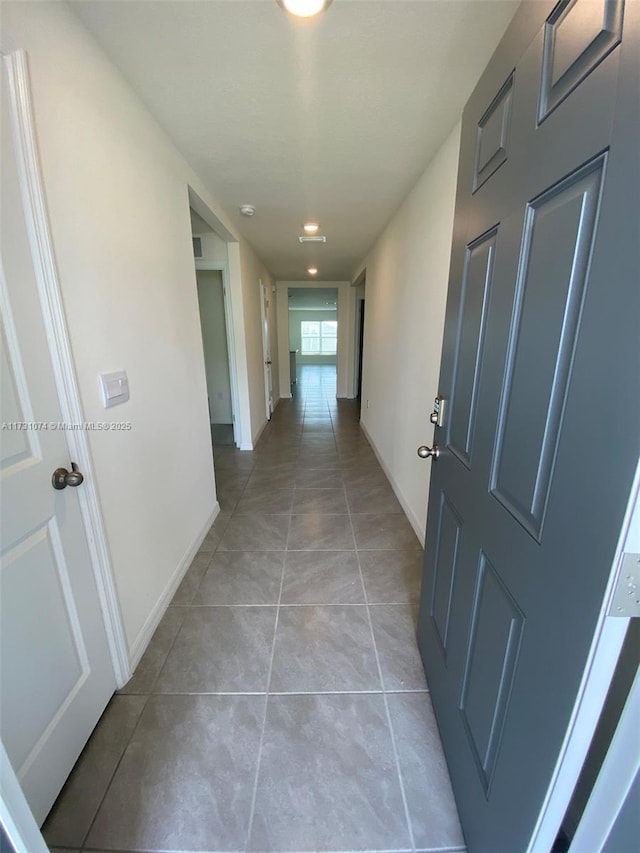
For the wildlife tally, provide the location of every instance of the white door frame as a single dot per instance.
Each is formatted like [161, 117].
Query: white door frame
[345, 357]
[619, 770]
[59, 344]
[15, 814]
[231, 348]
[266, 348]
[601, 663]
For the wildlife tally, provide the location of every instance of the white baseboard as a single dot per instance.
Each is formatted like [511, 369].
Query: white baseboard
[139, 645]
[404, 503]
[256, 437]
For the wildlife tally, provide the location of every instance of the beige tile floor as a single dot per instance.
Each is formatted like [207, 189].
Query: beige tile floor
[281, 704]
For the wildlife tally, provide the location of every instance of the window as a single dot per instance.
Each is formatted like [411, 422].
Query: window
[319, 337]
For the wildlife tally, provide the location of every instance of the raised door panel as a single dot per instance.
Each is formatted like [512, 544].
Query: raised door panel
[578, 35]
[474, 301]
[497, 624]
[16, 445]
[447, 553]
[558, 237]
[42, 650]
[492, 136]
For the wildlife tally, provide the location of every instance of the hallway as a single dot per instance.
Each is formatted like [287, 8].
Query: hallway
[281, 705]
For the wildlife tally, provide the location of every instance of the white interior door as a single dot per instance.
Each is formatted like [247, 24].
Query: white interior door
[266, 350]
[56, 672]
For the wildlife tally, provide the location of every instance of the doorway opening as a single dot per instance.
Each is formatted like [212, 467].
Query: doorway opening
[313, 330]
[211, 261]
[266, 349]
[359, 338]
[216, 355]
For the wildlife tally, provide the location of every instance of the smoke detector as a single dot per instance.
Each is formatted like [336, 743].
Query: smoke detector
[247, 209]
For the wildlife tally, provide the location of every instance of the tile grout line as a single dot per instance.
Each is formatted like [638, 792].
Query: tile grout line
[297, 604]
[147, 698]
[135, 728]
[263, 445]
[244, 489]
[117, 767]
[384, 697]
[150, 693]
[371, 691]
[266, 701]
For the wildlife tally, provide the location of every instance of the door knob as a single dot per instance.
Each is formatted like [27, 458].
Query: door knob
[62, 478]
[425, 452]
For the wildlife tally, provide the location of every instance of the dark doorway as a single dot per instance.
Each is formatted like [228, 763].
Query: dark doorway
[360, 349]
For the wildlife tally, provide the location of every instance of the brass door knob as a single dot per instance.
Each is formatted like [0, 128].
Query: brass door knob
[62, 478]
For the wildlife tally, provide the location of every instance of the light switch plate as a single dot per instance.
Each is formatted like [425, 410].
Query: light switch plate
[114, 388]
[626, 599]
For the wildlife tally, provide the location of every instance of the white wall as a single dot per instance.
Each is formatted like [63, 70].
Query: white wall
[130, 303]
[214, 341]
[346, 320]
[295, 337]
[214, 248]
[406, 287]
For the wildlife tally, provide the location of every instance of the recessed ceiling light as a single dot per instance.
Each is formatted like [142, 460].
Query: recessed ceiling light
[312, 270]
[311, 227]
[247, 209]
[304, 8]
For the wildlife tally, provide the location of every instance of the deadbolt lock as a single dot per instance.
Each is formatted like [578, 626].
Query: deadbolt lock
[437, 415]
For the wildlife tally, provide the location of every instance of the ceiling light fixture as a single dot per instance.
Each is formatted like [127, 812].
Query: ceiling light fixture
[304, 8]
[316, 238]
[247, 209]
[311, 227]
[312, 270]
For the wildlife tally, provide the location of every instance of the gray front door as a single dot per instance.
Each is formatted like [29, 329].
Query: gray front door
[540, 377]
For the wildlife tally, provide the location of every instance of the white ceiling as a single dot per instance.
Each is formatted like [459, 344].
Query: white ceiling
[331, 119]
